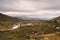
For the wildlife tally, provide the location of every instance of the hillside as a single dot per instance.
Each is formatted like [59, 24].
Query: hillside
[7, 21]
[57, 18]
[56, 21]
[30, 29]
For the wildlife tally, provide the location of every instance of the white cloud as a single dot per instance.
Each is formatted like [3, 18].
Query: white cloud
[38, 14]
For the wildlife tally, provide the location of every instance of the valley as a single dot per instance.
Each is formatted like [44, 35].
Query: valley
[29, 29]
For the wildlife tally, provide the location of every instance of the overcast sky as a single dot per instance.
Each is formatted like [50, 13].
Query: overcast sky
[31, 8]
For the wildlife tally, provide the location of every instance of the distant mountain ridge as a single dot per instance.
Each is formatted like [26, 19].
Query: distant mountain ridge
[29, 18]
[26, 18]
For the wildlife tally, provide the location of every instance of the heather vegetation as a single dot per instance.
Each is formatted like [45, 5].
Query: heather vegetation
[39, 30]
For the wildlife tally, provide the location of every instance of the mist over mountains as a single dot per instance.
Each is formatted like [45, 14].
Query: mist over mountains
[28, 17]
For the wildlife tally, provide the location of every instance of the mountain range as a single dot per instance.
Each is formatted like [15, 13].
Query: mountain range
[24, 17]
[39, 30]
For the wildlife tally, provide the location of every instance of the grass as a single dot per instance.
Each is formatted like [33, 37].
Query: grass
[44, 30]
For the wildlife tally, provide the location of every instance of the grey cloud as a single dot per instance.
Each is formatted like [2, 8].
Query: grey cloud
[31, 8]
[54, 7]
[29, 5]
